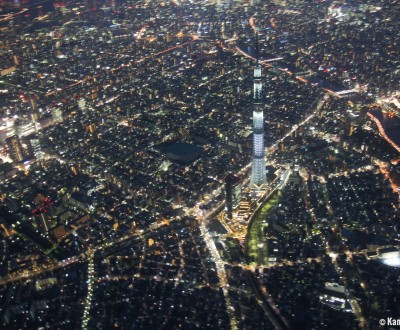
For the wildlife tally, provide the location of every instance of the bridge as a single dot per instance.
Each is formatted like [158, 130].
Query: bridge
[271, 60]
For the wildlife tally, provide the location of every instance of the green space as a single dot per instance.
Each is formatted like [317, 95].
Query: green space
[256, 243]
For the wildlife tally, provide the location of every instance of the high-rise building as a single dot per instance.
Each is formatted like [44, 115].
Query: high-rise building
[15, 149]
[233, 189]
[57, 114]
[36, 147]
[258, 176]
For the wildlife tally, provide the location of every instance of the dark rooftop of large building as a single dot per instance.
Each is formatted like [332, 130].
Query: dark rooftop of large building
[182, 152]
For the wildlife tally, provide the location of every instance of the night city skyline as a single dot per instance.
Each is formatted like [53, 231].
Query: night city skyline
[199, 164]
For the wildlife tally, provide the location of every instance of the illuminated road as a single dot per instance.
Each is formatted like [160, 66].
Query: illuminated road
[382, 131]
[90, 286]
[317, 107]
[9, 17]
[47, 268]
[221, 274]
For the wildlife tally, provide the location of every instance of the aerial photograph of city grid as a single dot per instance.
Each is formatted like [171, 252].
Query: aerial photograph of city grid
[199, 164]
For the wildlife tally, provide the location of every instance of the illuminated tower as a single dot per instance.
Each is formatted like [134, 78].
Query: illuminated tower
[258, 177]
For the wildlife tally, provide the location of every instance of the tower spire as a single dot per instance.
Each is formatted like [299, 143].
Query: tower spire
[256, 48]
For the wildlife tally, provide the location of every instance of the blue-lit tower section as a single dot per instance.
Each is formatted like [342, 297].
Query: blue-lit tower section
[258, 177]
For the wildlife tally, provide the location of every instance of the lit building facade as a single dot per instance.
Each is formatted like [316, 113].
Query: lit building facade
[233, 193]
[57, 114]
[36, 147]
[15, 149]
